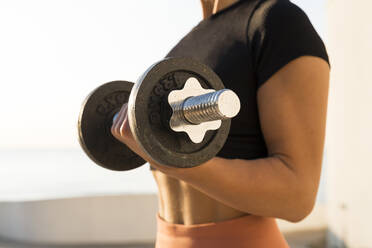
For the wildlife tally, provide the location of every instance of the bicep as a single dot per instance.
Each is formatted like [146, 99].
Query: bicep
[292, 107]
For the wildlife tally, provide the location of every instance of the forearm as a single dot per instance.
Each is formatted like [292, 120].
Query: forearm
[264, 187]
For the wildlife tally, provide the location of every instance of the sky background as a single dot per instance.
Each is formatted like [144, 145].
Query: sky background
[53, 53]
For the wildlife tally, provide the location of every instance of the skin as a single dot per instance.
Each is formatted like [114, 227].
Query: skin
[292, 107]
[211, 7]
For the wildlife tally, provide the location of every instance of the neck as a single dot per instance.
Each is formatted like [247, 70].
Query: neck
[211, 7]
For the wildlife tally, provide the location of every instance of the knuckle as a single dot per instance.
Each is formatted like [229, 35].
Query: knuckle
[124, 129]
[113, 131]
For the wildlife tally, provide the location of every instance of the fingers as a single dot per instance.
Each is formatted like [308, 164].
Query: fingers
[120, 127]
[124, 127]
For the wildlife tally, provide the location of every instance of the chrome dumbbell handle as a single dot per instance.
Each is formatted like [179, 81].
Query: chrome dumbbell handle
[197, 110]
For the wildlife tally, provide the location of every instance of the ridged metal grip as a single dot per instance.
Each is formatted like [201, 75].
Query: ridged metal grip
[219, 105]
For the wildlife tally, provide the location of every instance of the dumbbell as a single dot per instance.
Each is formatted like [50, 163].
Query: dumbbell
[179, 113]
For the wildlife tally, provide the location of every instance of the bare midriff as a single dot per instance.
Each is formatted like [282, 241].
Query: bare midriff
[180, 203]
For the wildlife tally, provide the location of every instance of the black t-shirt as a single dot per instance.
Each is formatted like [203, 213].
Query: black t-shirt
[245, 44]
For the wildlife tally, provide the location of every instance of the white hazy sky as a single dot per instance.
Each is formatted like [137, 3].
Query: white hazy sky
[53, 53]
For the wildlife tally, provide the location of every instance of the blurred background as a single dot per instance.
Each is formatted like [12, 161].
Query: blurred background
[53, 53]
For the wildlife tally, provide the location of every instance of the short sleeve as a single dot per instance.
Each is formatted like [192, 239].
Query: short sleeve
[278, 32]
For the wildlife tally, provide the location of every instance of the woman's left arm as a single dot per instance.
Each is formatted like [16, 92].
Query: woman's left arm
[292, 108]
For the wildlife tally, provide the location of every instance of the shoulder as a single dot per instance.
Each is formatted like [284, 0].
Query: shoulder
[279, 32]
[276, 13]
[268, 9]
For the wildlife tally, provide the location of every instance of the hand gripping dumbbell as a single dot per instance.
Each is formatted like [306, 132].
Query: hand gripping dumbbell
[179, 113]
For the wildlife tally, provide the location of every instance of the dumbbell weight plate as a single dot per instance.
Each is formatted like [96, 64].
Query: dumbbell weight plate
[149, 114]
[94, 127]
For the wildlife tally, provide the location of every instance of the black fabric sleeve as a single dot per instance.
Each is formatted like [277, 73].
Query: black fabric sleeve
[278, 32]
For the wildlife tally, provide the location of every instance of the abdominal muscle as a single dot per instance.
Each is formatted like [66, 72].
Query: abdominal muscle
[180, 203]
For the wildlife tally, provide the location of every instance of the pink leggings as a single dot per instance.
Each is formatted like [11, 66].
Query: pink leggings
[244, 232]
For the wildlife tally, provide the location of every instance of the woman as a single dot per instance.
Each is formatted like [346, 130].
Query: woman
[268, 52]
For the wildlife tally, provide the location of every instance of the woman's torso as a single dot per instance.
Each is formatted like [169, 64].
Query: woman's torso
[244, 44]
[219, 42]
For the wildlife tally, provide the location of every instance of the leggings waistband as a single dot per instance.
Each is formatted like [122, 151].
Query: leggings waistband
[247, 231]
